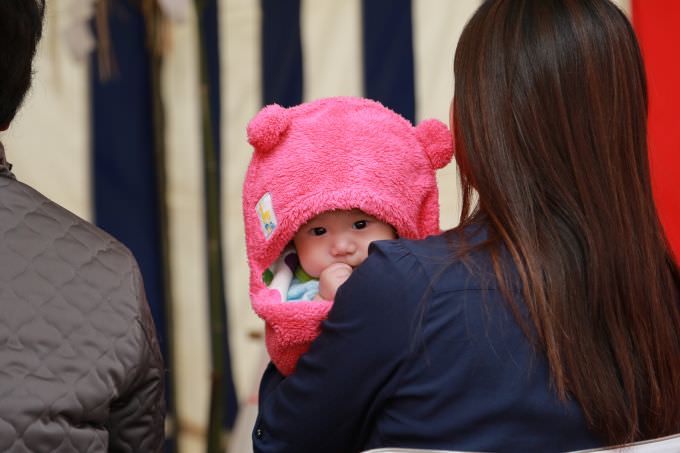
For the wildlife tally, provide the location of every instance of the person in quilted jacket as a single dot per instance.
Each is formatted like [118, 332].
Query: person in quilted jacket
[80, 365]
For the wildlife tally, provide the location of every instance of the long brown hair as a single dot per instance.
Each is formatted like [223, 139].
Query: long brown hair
[549, 114]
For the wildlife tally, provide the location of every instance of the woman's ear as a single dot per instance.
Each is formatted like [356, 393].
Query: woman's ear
[451, 116]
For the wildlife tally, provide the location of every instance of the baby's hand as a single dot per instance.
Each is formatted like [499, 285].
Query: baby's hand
[331, 278]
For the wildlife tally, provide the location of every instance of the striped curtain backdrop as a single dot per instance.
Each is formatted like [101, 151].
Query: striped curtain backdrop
[89, 145]
[399, 52]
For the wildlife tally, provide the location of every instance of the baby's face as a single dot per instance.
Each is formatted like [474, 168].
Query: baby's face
[338, 237]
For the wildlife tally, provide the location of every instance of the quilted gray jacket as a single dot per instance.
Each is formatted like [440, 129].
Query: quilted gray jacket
[80, 367]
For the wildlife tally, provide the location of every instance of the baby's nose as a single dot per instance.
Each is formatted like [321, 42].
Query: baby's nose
[343, 246]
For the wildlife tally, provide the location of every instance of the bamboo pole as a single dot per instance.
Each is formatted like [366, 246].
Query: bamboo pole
[155, 26]
[216, 438]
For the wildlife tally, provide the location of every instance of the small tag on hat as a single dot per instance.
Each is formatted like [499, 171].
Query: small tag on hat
[265, 212]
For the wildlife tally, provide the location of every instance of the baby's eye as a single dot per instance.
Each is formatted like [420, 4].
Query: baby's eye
[360, 225]
[318, 231]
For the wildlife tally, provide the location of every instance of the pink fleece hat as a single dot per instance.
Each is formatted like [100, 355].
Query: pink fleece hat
[333, 153]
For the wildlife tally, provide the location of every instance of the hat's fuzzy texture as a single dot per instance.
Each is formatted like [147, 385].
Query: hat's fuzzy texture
[330, 154]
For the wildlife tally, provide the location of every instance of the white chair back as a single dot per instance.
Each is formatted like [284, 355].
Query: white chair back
[409, 450]
[670, 444]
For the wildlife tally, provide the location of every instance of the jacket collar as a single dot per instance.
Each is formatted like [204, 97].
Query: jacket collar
[5, 167]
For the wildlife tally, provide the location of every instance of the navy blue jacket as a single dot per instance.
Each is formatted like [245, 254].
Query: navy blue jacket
[419, 350]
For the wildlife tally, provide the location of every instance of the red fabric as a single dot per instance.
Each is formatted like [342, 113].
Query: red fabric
[657, 23]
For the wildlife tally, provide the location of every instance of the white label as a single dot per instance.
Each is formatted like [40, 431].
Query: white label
[265, 212]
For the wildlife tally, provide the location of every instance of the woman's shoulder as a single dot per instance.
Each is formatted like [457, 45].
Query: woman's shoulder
[448, 261]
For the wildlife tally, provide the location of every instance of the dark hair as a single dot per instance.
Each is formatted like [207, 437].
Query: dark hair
[20, 30]
[549, 114]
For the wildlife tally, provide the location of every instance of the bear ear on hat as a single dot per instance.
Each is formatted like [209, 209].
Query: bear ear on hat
[267, 127]
[437, 142]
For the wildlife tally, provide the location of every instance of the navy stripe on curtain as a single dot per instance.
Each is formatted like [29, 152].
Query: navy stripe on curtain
[388, 55]
[281, 53]
[125, 199]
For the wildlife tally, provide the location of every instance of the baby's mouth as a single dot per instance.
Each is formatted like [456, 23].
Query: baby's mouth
[350, 264]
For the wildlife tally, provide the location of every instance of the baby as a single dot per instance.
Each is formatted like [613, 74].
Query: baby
[326, 179]
[333, 243]
[326, 250]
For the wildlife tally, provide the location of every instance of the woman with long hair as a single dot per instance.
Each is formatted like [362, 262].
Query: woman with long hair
[549, 320]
